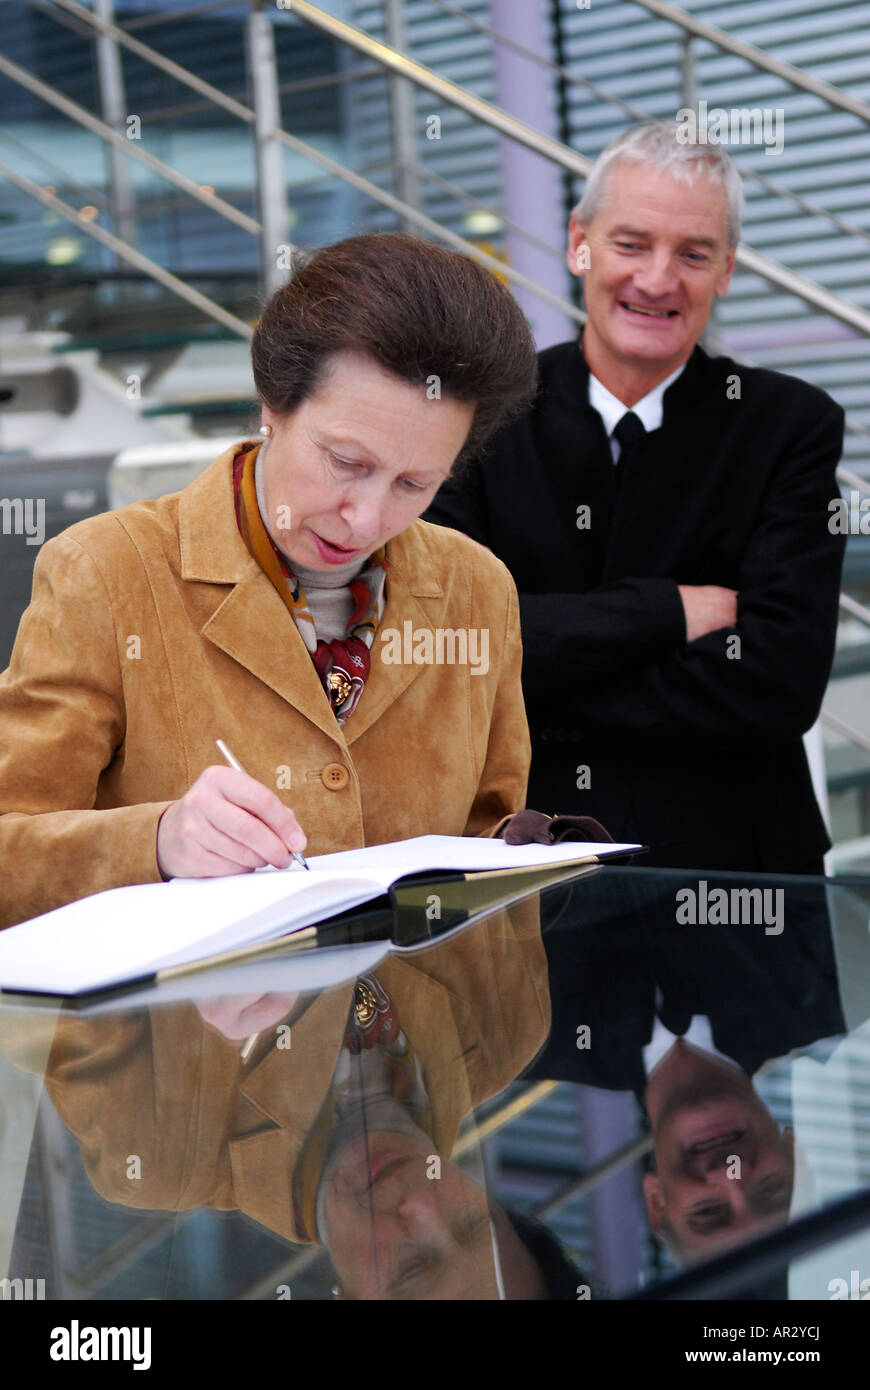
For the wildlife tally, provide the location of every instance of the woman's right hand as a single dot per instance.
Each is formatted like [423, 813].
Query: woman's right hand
[227, 823]
[238, 1016]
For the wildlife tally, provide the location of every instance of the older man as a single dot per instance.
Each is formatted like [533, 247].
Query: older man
[665, 516]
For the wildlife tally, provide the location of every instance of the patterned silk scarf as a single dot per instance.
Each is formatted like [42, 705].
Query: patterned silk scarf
[343, 665]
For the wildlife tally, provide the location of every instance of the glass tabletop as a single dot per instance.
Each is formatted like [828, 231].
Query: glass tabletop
[631, 1084]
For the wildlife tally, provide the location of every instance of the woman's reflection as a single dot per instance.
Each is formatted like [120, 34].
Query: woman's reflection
[339, 1126]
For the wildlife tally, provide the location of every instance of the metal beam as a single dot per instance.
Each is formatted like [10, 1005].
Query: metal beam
[845, 475]
[855, 736]
[758, 264]
[807, 290]
[269, 157]
[110, 79]
[591, 1179]
[476, 1134]
[447, 91]
[855, 609]
[402, 115]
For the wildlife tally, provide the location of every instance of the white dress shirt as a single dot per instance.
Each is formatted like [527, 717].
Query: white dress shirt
[699, 1034]
[649, 409]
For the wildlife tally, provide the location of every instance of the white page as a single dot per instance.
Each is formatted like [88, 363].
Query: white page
[114, 936]
[460, 852]
[111, 937]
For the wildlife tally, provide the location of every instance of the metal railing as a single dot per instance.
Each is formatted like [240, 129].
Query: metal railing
[333, 167]
[807, 290]
[833, 721]
[403, 66]
[127, 252]
[572, 79]
[400, 65]
[490, 115]
[757, 56]
[85, 118]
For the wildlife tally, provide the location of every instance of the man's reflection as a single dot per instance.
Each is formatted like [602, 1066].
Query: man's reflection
[723, 1169]
[685, 1016]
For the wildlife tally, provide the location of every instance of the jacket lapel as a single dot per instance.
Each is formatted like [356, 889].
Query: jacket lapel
[254, 628]
[251, 623]
[577, 469]
[410, 578]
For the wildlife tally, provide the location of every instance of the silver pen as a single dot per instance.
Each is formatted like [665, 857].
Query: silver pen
[234, 762]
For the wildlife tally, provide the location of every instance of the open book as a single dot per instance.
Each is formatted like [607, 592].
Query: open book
[147, 931]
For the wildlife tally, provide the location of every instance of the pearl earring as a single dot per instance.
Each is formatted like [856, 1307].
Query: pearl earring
[266, 431]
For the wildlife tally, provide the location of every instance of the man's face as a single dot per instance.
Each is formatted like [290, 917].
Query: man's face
[396, 1231]
[723, 1169]
[658, 256]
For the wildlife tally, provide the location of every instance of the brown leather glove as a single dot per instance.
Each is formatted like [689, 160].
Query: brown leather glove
[534, 828]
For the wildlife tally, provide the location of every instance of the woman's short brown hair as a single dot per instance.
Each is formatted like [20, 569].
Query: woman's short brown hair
[421, 312]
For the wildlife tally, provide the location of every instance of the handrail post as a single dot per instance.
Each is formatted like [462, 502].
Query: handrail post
[268, 152]
[113, 104]
[688, 74]
[402, 116]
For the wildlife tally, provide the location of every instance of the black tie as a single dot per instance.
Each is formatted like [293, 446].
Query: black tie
[676, 1018]
[628, 433]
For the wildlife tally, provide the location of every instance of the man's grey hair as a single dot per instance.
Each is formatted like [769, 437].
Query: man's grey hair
[655, 143]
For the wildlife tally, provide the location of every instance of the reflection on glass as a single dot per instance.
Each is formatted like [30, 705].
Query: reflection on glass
[722, 1167]
[571, 1098]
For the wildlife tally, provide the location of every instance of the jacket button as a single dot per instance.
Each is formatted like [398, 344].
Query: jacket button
[335, 777]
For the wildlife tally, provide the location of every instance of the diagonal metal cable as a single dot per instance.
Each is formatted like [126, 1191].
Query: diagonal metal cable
[130, 148]
[462, 196]
[853, 426]
[127, 253]
[148, 21]
[59, 177]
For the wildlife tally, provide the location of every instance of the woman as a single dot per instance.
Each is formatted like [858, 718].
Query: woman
[363, 666]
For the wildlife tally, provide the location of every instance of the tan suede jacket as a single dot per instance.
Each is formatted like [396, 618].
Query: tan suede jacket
[151, 632]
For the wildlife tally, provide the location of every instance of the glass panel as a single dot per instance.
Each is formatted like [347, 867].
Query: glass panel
[580, 1094]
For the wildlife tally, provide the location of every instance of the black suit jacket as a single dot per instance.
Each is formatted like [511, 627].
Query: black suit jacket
[613, 942]
[694, 749]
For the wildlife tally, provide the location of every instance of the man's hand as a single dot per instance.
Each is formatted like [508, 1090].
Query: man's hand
[227, 823]
[707, 608]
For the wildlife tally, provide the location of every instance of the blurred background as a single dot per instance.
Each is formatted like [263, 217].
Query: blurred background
[160, 159]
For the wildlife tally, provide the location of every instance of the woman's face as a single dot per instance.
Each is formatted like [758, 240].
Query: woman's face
[357, 462]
